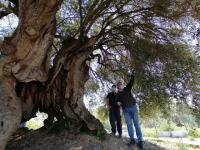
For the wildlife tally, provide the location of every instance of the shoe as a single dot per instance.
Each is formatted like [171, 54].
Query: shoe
[141, 145]
[112, 134]
[120, 136]
[131, 143]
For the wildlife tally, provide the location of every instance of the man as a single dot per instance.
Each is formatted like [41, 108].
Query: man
[114, 112]
[128, 102]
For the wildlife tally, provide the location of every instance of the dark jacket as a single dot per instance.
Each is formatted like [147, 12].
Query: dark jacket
[112, 100]
[125, 96]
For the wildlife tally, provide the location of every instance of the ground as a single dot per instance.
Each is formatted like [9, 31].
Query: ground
[44, 139]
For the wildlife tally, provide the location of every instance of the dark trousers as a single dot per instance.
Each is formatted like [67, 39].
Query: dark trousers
[115, 120]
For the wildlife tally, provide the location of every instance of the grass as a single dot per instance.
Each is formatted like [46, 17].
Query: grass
[174, 146]
[150, 132]
[194, 133]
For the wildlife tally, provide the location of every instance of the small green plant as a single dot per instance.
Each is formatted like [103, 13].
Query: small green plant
[193, 133]
[167, 126]
[101, 135]
[181, 146]
[150, 132]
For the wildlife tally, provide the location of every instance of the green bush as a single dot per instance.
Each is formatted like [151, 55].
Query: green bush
[194, 133]
[198, 132]
[150, 132]
[165, 126]
[101, 113]
[101, 134]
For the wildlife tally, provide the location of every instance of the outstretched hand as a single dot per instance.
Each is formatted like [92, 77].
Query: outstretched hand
[119, 103]
[131, 72]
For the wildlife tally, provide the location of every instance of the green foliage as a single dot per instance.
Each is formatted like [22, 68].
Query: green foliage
[150, 132]
[172, 145]
[102, 114]
[196, 113]
[160, 71]
[91, 86]
[34, 124]
[101, 134]
[194, 133]
[169, 126]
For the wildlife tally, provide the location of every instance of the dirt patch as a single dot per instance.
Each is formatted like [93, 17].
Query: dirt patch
[44, 140]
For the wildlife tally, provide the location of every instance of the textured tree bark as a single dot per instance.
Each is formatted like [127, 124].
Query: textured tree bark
[10, 110]
[30, 44]
[24, 59]
[24, 68]
[62, 94]
[76, 73]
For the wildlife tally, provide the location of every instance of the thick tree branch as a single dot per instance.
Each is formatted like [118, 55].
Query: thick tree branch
[4, 13]
[93, 14]
[15, 2]
[6, 10]
[81, 20]
[110, 19]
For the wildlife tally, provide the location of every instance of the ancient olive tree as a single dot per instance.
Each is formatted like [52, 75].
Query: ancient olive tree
[45, 63]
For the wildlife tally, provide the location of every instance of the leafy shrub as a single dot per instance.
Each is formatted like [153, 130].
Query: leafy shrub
[166, 126]
[150, 132]
[194, 133]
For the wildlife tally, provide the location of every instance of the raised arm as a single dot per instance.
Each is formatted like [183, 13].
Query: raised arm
[130, 84]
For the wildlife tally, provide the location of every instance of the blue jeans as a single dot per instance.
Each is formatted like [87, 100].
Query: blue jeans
[132, 117]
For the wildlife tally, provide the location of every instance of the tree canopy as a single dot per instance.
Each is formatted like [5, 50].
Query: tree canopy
[57, 43]
[152, 37]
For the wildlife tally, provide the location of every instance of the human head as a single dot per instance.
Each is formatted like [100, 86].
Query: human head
[113, 88]
[120, 86]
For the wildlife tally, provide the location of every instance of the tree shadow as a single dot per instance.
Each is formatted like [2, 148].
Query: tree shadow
[65, 140]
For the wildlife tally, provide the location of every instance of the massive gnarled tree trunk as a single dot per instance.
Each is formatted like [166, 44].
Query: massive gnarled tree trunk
[10, 109]
[73, 73]
[27, 83]
[61, 96]
[23, 58]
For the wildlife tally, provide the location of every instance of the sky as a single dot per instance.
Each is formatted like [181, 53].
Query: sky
[8, 24]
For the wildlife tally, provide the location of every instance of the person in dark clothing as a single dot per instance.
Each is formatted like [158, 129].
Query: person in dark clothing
[114, 112]
[127, 101]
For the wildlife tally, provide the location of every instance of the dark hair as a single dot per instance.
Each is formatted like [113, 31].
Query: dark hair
[119, 82]
[114, 85]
